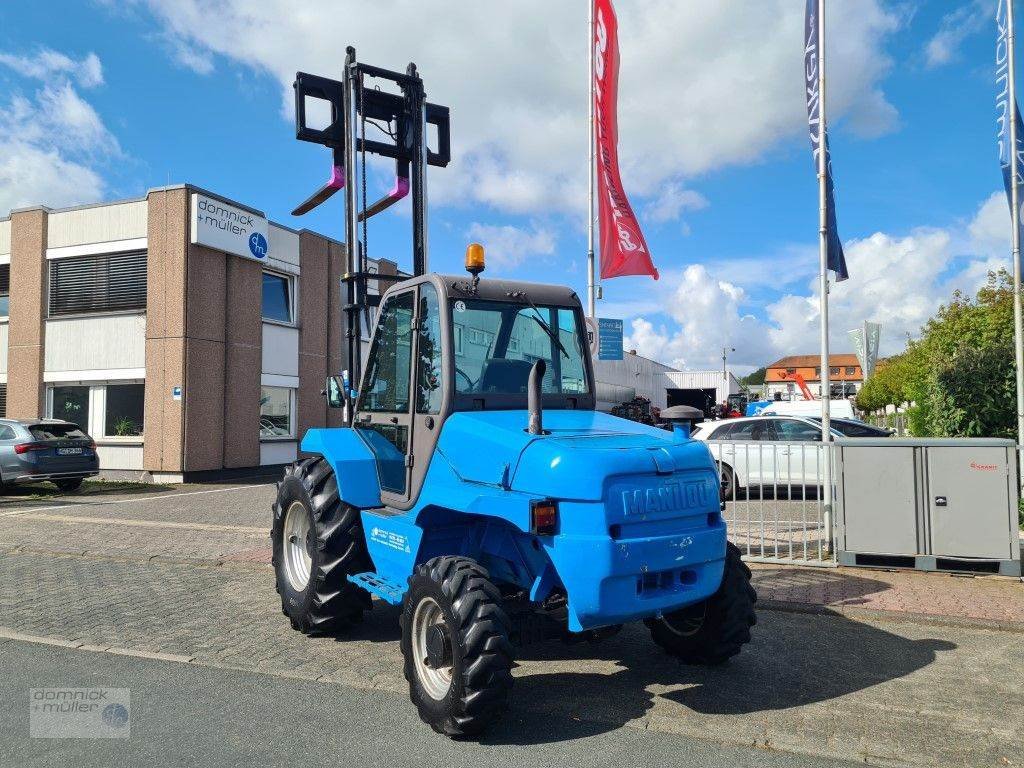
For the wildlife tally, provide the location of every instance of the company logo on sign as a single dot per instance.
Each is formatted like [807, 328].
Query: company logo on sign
[258, 245]
[984, 467]
[228, 228]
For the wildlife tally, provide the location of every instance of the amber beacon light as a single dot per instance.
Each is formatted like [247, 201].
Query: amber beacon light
[474, 259]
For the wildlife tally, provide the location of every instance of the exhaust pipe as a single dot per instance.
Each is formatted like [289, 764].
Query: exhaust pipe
[533, 398]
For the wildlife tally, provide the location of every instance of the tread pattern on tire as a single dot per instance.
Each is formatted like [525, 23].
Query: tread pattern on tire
[483, 637]
[336, 602]
[727, 623]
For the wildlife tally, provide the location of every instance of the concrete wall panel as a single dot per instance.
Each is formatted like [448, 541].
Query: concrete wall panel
[280, 350]
[167, 235]
[98, 224]
[204, 411]
[27, 305]
[95, 343]
[242, 363]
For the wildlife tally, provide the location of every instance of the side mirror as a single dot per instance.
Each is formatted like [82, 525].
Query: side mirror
[335, 392]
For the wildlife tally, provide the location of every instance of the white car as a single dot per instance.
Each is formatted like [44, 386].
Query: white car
[840, 409]
[773, 451]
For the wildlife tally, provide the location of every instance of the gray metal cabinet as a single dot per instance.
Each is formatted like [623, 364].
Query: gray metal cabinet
[880, 499]
[932, 504]
[968, 495]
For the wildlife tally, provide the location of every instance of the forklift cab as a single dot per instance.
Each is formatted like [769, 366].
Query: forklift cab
[444, 344]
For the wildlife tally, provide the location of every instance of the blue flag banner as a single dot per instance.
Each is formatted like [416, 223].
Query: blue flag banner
[1003, 102]
[836, 259]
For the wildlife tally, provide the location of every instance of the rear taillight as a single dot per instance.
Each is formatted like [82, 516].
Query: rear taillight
[544, 517]
[26, 447]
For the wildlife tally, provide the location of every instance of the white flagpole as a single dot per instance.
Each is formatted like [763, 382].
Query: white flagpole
[826, 388]
[1018, 324]
[590, 189]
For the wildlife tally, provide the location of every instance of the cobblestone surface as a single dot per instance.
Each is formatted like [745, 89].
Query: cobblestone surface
[941, 595]
[819, 684]
[892, 691]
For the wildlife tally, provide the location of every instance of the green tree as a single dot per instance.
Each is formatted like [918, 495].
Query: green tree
[756, 377]
[959, 375]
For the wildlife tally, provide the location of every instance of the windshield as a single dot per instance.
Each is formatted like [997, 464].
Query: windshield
[496, 344]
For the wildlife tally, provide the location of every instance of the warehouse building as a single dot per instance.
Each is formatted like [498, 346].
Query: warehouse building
[183, 330]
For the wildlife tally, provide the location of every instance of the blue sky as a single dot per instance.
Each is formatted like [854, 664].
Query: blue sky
[104, 100]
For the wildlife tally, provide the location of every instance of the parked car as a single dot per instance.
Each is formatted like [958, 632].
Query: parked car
[773, 451]
[46, 449]
[842, 409]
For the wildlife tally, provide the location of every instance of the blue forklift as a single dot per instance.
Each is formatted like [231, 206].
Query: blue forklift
[473, 482]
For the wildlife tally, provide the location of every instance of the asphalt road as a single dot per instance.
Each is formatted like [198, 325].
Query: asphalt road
[181, 714]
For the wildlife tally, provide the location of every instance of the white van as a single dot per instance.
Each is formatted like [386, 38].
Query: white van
[841, 409]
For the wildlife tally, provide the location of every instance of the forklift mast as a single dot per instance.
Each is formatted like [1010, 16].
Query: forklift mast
[400, 122]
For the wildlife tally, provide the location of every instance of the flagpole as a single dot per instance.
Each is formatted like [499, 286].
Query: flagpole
[1018, 324]
[826, 388]
[590, 152]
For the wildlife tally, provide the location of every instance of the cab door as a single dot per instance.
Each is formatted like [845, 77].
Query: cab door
[384, 410]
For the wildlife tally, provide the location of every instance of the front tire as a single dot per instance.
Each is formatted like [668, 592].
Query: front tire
[455, 640]
[715, 630]
[318, 541]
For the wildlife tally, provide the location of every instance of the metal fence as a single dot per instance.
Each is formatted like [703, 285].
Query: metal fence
[774, 507]
[894, 421]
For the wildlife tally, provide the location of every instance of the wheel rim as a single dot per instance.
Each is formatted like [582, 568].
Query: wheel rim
[436, 681]
[297, 560]
[688, 621]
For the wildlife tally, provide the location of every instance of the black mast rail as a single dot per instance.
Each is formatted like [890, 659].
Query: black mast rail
[352, 105]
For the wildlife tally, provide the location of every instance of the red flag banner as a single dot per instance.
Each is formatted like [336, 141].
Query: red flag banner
[623, 248]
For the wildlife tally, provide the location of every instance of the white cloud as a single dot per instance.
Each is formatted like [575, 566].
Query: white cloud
[670, 203]
[955, 27]
[507, 247]
[47, 63]
[52, 143]
[515, 77]
[990, 229]
[898, 281]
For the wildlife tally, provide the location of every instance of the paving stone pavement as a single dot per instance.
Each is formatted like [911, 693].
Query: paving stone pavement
[882, 691]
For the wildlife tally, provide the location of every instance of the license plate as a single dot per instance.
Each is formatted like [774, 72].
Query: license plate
[69, 451]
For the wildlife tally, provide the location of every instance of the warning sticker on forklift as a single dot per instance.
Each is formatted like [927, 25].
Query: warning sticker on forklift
[390, 539]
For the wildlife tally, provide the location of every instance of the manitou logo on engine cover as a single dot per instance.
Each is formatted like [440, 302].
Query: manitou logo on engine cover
[671, 497]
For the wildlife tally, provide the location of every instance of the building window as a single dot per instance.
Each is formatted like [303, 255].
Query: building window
[277, 297]
[5, 289]
[3, 400]
[791, 371]
[275, 413]
[850, 370]
[106, 283]
[833, 371]
[124, 411]
[71, 404]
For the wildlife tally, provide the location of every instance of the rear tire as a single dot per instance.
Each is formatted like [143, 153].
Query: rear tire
[455, 640]
[67, 486]
[713, 631]
[727, 489]
[317, 542]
